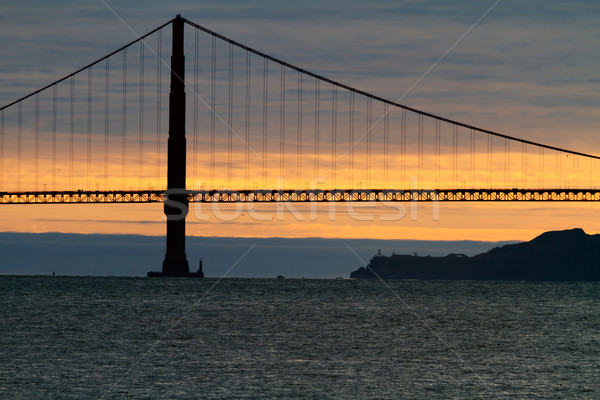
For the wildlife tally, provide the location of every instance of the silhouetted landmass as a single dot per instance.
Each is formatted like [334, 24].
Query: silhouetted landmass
[570, 255]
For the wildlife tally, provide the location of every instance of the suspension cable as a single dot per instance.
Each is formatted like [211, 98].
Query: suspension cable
[403, 145]
[420, 155]
[333, 134]
[64, 78]
[106, 119]
[213, 110]
[196, 94]
[265, 119]
[386, 144]
[230, 119]
[124, 119]
[351, 143]
[558, 171]
[437, 153]
[19, 124]
[472, 158]
[247, 146]
[317, 98]
[89, 129]
[489, 160]
[524, 162]
[454, 154]
[299, 140]
[72, 132]
[368, 147]
[377, 98]
[542, 167]
[158, 106]
[37, 139]
[282, 127]
[506, 163]
[141, 120]
[54, 95]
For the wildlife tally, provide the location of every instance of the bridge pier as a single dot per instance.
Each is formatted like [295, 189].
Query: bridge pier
[176, 204]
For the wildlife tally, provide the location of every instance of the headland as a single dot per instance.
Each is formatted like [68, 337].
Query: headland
[569, 255]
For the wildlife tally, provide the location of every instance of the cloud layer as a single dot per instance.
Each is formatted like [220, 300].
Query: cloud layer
[526, 68]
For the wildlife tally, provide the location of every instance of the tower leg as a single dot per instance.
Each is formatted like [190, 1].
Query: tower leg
[176, 204]
[175, 261]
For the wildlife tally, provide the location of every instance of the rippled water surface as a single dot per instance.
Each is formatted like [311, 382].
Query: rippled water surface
[141, 338]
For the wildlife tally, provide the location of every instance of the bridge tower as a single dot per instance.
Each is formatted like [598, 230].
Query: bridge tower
[176, 204]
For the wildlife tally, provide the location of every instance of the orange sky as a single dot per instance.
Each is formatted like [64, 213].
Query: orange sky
[520, 75]
[424, 221]
[452, 221]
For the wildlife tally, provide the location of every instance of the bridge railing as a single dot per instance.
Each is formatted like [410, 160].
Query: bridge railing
[304, 196]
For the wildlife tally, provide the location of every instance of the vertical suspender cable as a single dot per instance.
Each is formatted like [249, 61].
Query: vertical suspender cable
[542, 167]
[489, 161]
[333, 134]
[524, 166]
[420, 157]
[195, 94]
[454, 154]
[264, 138]
[124, 119]
[403, 146]
[72, 132]
[282, 127]
[19, 123]
[351, 144]
[37, 139]
[158, 106]
[299, 140]
[472, 159]
[559, 168]
[106, 119]
[539, 167]
[230, 120]
[592, 167]
[247, 144]
[317, 88]
[576, 162]
[506, 163]
[141, 122]
[54, 95]
[212, 109]
[437, 153]
[89, 129]
[369, 138]
[386, 148]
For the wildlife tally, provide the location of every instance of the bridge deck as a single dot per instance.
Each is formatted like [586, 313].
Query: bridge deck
[301, 196]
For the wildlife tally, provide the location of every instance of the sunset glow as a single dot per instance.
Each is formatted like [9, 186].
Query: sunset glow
[252, 123]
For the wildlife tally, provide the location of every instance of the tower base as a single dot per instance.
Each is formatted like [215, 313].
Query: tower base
[181, 272]
[198, 274]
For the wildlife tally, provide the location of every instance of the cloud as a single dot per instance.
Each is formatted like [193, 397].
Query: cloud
[525, 70]
[135, 255]
[546, 43]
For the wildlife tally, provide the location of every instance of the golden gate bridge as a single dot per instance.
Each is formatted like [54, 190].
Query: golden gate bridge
[247, 127]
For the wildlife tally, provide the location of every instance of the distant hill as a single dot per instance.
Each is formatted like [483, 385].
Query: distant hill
[569, 255]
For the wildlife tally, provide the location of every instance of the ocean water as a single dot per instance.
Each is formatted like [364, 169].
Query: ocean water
[141, 338]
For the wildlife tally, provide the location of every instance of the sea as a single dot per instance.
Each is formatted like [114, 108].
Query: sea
[175, 338]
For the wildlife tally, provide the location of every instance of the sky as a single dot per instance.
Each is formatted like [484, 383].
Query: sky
[526, 69]
[135, 255]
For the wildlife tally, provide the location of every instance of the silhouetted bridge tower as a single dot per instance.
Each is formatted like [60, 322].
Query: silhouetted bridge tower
[175, 262]
[260, 130]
